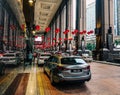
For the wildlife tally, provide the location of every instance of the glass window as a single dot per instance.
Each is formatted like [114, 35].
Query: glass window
[72, 61]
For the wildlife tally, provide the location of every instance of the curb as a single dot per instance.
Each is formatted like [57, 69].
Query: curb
[104, 62]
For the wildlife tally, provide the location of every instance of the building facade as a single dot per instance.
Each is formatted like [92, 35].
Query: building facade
[90, 23]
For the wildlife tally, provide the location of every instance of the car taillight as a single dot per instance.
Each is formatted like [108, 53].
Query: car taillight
[1, 55]
[62, 68]
[87, 68]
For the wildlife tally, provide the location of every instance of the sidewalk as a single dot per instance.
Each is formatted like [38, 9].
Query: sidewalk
[105, 62]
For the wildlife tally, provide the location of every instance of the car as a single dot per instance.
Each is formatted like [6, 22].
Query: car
[2, 68]
[42, 57]
[11, 58]
[87, 58]
[66, 68]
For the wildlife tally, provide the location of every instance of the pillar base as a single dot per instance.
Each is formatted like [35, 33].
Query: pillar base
[101, 55]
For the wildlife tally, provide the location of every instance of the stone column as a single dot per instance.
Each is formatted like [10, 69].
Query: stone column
[104, 28]
[80, 20]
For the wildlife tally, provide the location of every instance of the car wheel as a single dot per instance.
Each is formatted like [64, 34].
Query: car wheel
[51, 79]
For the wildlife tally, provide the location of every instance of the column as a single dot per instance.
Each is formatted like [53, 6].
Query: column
[66, 27]
[80, 21]
[104, 29]
[60, 30]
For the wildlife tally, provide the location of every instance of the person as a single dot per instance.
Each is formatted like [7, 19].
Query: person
[30, 57]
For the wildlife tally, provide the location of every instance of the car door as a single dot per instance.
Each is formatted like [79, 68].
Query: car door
[47, 64]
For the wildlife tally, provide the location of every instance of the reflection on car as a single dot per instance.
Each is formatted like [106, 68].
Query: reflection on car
[67, 68]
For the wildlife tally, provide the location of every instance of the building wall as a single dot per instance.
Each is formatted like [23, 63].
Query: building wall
[90, 21]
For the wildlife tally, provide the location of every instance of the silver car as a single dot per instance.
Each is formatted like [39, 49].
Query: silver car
[71, 68]
[42, 57]
[11, 58]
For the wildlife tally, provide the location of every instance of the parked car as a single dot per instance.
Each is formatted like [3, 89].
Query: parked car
[42, 57]
[67, 68]
[20, 56]
[2, 67]
[87, 58]
[11, 58]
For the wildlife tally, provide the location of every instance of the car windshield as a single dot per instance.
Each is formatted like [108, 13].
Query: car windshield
[72, 61]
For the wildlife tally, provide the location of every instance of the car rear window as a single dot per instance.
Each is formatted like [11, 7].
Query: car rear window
[72, 61]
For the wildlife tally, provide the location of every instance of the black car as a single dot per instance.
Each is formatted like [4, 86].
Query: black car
[2, 68]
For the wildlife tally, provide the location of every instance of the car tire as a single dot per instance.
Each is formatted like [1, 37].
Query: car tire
[51, 79]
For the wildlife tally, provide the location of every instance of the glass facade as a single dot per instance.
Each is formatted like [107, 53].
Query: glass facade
[90, 21]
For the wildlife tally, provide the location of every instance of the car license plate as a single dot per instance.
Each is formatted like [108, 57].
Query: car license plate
[76, 70]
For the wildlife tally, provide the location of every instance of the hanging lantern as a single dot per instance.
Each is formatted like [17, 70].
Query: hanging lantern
[66, 30]
[70, 39]
[91, 31]
[60, 39]
[57, 30]
[84, 31]
[47, 29]
[54, 38]
[37, 27]
[73, 32]
[48, 38]
[81, 32]
[65, 39]
[36, 36]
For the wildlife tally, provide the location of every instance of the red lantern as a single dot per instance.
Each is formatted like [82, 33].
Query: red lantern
[54, 38]
[66, 30]
[84, 31]
[37, 27]
[70, 39]
[47, 29]
[73, 32]
[36, 36]
[91, 31]
[48, 38]
[65, 39]
[60, 39]
[57, 30]
[81, 32]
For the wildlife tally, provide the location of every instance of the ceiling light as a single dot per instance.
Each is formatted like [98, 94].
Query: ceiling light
[30, 1]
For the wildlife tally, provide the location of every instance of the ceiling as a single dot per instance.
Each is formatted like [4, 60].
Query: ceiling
[17, 8]
[44, 12]
[41, 14]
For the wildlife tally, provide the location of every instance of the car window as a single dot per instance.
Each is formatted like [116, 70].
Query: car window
[50, 59]
[72, 61]
[55, 59]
